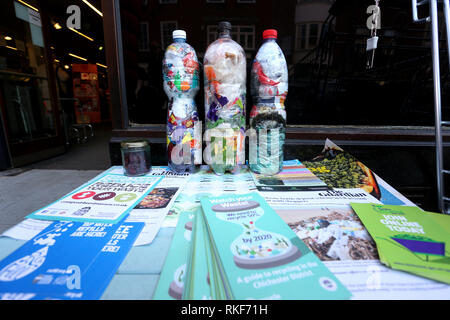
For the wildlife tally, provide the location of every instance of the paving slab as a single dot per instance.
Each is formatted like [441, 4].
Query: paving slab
[31, 190]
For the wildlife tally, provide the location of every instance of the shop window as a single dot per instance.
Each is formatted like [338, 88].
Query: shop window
[324, 45]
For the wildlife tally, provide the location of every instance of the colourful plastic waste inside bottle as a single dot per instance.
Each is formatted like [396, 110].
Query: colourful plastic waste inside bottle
[225, 98]
[181, 84]
[269, 87]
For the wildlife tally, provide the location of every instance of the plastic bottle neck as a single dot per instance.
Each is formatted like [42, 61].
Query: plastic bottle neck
[179, 40]
[224, 34]
[269, 40]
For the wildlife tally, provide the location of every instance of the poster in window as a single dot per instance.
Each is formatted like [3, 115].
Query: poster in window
[86, 91]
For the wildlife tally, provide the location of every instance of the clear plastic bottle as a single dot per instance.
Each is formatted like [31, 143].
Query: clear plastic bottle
[181, 84]
[225, 98]
[269, 86]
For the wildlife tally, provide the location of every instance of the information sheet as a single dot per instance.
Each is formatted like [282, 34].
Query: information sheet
[106, 199]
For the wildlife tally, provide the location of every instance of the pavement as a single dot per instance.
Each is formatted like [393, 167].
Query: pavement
[26, 189]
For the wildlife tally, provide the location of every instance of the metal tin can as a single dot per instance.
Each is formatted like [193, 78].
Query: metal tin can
[136, 157]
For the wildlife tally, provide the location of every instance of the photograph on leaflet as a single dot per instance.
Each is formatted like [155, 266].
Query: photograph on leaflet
[332, 234]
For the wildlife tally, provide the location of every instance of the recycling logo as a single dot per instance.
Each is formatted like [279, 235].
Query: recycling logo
[125, 197]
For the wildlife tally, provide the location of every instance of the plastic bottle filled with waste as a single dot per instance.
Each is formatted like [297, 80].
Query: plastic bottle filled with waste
[181, 84]
[225, 94]
[269, 86]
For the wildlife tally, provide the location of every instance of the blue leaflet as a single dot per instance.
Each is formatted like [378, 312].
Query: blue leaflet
[67, 260]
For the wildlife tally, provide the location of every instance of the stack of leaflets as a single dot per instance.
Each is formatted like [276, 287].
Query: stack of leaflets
[236, 247]
[409, 239]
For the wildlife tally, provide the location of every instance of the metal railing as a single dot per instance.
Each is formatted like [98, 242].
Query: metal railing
[433, 19]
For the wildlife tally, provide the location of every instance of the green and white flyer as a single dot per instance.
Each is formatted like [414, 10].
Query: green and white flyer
[409, 239]
[260, 256]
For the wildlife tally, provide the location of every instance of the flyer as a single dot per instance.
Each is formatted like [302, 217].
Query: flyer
[154, 207]
[294, 177]
[339, 169]
[260, 256]
[108, 198]
[67, 260]
[408, 239]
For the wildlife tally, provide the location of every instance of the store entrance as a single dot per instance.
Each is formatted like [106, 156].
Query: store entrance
[28, 105]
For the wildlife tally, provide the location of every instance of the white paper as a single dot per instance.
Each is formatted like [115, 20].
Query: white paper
[170, 186]
[371, 280]
[292, 200]
[27, 229]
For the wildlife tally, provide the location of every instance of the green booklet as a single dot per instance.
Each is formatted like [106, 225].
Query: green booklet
[259, 257]
[409, 239]
[171, 281]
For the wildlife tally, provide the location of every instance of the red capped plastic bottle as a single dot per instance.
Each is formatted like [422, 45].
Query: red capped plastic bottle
[181, 84]
[269, 87]
[225, 94]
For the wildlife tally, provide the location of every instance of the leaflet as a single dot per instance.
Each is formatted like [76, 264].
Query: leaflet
[108, 198]
[408, 239]
[67, 260]
[153, 209]
[294, 177]
[259, 255]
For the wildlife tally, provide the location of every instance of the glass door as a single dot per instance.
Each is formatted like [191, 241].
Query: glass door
[29, 110]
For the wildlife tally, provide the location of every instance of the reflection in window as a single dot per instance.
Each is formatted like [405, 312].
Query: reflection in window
[143, 37]
[24, 87]
[167, 27]
[313, 34]
[244, 35]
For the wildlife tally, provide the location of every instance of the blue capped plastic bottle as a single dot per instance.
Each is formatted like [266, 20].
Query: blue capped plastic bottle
[269, 87]
[181, 84]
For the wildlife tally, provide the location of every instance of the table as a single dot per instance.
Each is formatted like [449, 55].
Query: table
[138, 275]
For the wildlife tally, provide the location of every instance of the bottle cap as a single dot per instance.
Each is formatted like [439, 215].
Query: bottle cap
[224, 25]
[270, 34]
[177, 34]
